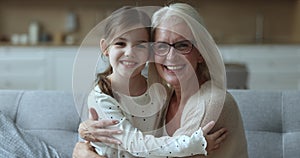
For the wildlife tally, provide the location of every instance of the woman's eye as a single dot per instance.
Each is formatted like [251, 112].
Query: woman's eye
[182, 45]
[162, 46]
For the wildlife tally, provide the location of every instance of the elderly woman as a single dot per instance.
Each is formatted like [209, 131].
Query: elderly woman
[188, 62]
[185, 53]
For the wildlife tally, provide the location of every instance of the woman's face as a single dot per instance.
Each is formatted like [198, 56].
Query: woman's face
[174, 66]
[129, 52]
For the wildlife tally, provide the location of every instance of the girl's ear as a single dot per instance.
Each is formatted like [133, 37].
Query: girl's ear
[104, 47]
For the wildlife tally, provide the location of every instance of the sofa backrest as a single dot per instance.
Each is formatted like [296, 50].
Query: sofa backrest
[271, 121]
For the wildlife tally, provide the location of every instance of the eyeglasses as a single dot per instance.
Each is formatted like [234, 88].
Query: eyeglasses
[163, 48]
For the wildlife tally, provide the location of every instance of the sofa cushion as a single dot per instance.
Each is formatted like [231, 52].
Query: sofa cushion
[261, 111]
[259, 144]
[46, 110]
[262, 117]
[291, 123]
[9, 102]
[291, 109]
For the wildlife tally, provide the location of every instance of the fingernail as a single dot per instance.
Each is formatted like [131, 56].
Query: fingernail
[120, 132]
[115, 122]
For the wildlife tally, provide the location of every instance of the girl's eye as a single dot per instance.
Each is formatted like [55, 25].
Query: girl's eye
[141, 46]
[120, 44]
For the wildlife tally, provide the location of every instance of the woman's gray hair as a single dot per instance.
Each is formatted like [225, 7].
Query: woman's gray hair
[213, 67]
[182, 8]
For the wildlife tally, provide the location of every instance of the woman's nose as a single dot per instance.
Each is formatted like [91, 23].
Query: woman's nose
[172, 53]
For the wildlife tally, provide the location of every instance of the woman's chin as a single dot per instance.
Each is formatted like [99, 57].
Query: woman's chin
[171, 80]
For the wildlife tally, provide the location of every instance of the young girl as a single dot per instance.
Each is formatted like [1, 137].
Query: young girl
[122, 93]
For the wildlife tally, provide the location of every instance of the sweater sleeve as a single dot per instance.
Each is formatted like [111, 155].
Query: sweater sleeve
[139, 144]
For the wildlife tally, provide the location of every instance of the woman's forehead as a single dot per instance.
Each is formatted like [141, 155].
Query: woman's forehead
[179, 30]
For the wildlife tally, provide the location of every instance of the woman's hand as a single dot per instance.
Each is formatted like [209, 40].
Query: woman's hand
[85, 150]
[214, 139]
[94, 130]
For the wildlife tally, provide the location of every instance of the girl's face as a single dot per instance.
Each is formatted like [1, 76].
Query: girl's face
[128, 53]
[174, 66]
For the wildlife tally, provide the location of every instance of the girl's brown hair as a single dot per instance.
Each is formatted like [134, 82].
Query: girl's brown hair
[121, 20]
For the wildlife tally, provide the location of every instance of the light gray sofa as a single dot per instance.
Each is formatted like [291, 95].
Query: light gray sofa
[49, 115]
[271, 119]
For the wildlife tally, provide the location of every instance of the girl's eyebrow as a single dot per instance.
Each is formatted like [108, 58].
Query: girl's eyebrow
[120, 38]
[125, 39]
[142, 41]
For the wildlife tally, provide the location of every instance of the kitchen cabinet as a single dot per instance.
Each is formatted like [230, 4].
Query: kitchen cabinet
[62, 60]
[270, 67]
[39, 68]
[22, 68]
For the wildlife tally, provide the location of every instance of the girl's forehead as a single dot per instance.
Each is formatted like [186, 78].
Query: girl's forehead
[136, 31]
[139, 33]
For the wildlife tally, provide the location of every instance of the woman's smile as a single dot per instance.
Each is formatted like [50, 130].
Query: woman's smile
[174, 68]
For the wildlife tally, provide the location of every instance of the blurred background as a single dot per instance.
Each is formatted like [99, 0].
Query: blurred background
[259, 40]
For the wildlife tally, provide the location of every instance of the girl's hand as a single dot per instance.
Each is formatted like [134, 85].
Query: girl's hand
[214, 139]
[94, 130]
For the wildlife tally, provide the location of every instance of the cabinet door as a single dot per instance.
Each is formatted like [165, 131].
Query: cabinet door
[22, 68]
[24, 82]
[62, 64]
[271, 67]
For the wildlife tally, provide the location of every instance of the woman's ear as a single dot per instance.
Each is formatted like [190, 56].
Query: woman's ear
[104, 47]
[200, 59]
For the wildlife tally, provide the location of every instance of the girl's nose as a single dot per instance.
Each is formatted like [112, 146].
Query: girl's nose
[128, 52]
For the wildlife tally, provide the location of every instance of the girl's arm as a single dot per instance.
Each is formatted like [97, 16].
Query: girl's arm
[138, 144]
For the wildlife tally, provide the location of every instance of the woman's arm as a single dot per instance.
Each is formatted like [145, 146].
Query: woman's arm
[95, 131]
[85, 150]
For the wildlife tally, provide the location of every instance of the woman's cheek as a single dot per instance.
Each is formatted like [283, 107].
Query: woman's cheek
[158, 59]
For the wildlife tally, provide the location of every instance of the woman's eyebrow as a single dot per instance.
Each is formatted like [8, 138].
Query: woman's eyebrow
[179, 39]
